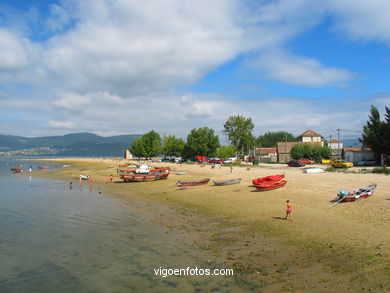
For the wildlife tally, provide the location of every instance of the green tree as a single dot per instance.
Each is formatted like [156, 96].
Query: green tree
[238, 130]
[225, 152]
[137, 148]
[152, 144]
[147, 146]
[310, 151]
[173, 146]
[201, 141]
[375, 132]
[269, 139]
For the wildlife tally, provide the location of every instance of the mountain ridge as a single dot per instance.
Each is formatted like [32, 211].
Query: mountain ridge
[72, 144]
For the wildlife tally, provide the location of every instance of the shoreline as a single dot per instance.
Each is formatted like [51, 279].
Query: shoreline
[347, 244]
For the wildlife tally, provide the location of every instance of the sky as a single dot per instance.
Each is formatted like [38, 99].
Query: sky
[125, 66]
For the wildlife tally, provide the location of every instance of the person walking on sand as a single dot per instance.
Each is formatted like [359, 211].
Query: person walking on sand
[289, 210]
[231, 169]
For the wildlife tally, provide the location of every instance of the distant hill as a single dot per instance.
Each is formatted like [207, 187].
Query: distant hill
[352, 142]
[75, 144]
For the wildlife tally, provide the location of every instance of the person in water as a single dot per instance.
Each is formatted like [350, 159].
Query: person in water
[289, 210]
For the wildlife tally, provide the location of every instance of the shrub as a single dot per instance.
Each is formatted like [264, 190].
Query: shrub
[383, 170]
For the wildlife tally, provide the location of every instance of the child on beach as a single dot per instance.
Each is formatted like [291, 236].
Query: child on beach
[289, 210]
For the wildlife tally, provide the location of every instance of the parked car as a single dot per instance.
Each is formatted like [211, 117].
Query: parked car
[296, 163]
[326, 161]
[341, 164]
[306, 161]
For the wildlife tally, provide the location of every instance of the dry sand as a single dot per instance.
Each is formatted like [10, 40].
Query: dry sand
[344, 248]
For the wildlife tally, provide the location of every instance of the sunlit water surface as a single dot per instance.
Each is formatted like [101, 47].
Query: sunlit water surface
[57, 239]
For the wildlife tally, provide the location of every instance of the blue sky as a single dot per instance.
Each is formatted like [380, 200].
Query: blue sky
[118, 67]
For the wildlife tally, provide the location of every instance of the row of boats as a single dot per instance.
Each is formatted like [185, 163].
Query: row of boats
[20, 170]
[146, 173]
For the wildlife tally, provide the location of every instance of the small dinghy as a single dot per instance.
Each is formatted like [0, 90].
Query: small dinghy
[193, 183]
[227, 182]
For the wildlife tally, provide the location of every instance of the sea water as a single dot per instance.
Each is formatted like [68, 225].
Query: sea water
[54, 238]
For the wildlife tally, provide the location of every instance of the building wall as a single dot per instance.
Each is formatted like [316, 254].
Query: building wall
[356, 157]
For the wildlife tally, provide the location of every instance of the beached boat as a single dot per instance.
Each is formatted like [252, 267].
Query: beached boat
[144, 173]
[269, 182]
[17, 170]
[271, 185]
[227, 182]
[356, 194]
[181, 173]
[267, 179]
[193, 183]
[84, 177]
[43, 167]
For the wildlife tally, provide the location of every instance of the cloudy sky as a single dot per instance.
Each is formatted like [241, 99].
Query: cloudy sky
[130, 66]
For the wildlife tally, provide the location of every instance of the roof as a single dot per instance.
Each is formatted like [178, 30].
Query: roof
[334, 141]
[357, 150]
[309, 133]
[266, 150]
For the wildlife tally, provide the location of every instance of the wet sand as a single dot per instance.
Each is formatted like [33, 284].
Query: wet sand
[344, 247]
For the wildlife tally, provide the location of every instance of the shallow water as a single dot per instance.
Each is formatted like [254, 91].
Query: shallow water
[57, 239]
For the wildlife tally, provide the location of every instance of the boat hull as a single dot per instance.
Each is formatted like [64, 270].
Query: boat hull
[227, 182]
[271, 185]
[354, 195]
[137, 177]
[267, 179]
[193, 183]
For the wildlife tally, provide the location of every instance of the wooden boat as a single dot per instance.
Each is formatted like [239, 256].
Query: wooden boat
[193, 183]
[17, 170]
[271, 185]
[181, 173]
[267, 179]
[227, 182]
[143, 177]
[43, 167]
[356, 194]
[145, 173]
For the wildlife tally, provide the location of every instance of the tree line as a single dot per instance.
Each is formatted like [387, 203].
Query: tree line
[238, 130]
[203, 141]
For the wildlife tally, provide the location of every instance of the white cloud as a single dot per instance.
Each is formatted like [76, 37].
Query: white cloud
[12, 53]
[61, 124]
[285, 67]
[361, 19]
[114, 66]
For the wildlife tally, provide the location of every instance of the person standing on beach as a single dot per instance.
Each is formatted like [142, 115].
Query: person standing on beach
[289, 210]
[231, 169]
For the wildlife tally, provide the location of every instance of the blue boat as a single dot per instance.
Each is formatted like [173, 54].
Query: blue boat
[181, 173]
[227, 182]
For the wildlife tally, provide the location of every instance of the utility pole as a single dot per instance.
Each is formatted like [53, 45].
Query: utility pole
[338, 142]
[330, 145]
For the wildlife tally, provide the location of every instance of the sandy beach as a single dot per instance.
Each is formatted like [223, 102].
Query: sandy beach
[345, 246]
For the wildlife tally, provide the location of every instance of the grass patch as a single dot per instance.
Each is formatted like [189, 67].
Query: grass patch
[382, 170]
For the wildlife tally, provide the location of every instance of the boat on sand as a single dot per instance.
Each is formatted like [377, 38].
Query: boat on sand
[193, 183]
[227, 182]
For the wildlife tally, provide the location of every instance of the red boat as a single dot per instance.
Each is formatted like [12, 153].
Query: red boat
[271, 185]
[193, 183]
[267, 179]
[356, 194]
[43, 167]
[17, 170]
[269, 182]
[144, 173]
[134, 177]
